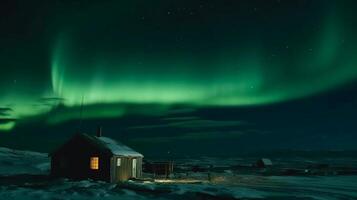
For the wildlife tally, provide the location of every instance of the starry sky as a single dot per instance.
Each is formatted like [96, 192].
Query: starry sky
[180, 75]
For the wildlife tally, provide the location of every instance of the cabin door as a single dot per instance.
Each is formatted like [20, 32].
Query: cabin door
[134, 168]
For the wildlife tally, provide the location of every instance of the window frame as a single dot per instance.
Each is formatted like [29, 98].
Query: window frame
[94, 163]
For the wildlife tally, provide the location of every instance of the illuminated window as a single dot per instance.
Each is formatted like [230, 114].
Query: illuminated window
[94, 163]
[118, 162]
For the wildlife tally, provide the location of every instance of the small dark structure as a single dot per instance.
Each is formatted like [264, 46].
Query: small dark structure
[160, 168]
[96, 157]
[264, 163]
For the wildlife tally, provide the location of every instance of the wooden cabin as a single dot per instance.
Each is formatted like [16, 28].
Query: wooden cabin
[96, 157]
[264, 163]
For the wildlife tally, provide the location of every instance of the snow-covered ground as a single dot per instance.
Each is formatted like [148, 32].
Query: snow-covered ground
[23, 162]
[23, 175]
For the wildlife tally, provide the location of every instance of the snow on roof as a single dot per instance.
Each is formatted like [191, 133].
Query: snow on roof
[114, 147]
[267, 161]
[118, 148]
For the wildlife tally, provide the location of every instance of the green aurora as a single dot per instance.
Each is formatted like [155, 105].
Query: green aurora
[144, 59]
[243, 74]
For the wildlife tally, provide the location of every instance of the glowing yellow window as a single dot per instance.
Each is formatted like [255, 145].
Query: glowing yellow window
[94, 163]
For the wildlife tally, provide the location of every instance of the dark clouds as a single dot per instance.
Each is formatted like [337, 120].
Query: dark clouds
[192, 123]
[5, 111]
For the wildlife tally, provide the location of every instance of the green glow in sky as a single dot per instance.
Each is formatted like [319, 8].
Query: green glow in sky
[7, 126]
[114, 54]
[239, 75]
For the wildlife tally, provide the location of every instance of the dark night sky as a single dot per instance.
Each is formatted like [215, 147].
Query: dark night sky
[179, 75]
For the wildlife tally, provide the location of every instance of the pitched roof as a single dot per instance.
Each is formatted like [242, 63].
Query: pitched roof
[266, 161]
[105, 143]
[118, 148]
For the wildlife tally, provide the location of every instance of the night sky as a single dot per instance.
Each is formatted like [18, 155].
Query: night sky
[208, 77]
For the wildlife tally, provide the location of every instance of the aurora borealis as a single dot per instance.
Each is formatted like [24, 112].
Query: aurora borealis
[148, 58]
[152, 66]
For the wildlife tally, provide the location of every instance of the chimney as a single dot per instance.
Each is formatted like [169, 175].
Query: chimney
[99, 131]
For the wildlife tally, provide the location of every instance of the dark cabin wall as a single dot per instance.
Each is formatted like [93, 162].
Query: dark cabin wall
[73, 161]
[139, 167]
[124, 171]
